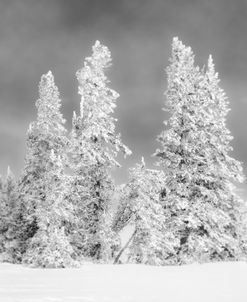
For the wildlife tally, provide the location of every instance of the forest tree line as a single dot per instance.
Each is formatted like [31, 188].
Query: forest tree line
[58, 213]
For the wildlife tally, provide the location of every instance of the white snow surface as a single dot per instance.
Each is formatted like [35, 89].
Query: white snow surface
[214, 282]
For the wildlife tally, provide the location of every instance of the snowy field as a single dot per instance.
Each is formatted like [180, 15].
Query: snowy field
[226, 282]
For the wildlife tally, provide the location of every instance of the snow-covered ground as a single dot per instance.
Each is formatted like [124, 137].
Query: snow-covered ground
[226, 282]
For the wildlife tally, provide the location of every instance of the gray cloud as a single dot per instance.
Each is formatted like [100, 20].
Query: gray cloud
[36, 36]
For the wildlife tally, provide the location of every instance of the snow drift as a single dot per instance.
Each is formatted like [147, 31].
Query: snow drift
[213, 282]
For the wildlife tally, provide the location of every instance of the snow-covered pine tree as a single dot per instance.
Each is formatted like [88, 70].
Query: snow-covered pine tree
[2, 207]
[8, 216]
[94, 148]
[204, 210]
[50, 247]
[45, 134]
[153, 241]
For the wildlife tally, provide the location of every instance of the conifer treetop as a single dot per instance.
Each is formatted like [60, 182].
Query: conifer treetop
[48, 105]
[93, 82]
[181, 54]
[97, 105]
[101, 56]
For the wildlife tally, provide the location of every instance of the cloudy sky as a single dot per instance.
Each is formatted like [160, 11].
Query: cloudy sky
[41, 35]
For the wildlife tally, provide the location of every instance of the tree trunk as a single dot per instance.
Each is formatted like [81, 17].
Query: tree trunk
[124, 248]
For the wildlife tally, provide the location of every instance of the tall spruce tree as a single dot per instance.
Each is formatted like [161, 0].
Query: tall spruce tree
[94, 148]
[205, 213]
[45, 134]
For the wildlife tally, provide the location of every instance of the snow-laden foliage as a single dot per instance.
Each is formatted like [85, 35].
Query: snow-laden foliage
[8, 210]
[205, 213]
[59, 213]
[153, 241]
[2, 216]
[45, 134]
[124, 213]
[94, 148]
[50, 246]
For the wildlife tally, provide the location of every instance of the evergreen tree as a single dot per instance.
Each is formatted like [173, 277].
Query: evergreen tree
[2, 207]
[8, 216]
[94, 148]
[153, 241]
[45, 134]
[204, 211]
[50, 246]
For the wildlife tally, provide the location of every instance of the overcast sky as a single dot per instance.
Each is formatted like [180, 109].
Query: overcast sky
[41, 35]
